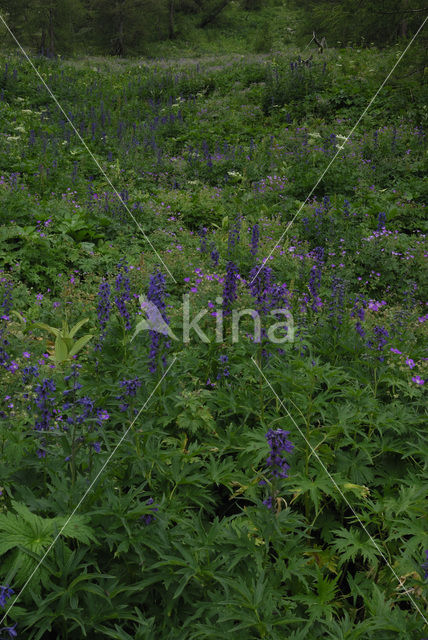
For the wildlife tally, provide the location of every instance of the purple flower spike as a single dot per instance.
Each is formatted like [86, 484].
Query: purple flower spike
[123, 292]
[278, 443]
[424, 565]
[255, 235]
[156, 295]
[230, 286]
[5, 593]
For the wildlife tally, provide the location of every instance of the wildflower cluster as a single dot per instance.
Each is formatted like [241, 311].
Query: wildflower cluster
[267, 294]
[358, 310]
[230, 287]
[278, 443]
[5, 307]
[123, 292]
[276, 463]
[234, 234]
[103, 310]
[214, 255]
[5, 594]
[255, 236]
[129, 390]
[424, 565]
[148, 517]
[156, 295]
[315, 280]
[337, 299]
[45, 402]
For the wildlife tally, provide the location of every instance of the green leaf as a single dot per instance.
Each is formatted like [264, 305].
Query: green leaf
[42, 325]
[79, 344]
[61, 350]
[77, 326]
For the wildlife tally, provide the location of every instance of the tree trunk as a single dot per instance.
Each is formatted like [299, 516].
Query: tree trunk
[118, 47]
[403, 25]
[51, 34]
[171, 30]
[43, 42]
[213, 13]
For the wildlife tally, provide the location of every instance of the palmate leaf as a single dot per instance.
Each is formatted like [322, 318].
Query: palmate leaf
[317, 488]
[350, 544]
[26, 536]
[321, 602]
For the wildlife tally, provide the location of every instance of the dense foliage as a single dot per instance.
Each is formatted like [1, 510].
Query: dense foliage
[225, 488]
[132, 27]
[121, 27]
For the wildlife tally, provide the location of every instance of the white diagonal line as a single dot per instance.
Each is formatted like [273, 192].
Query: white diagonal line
[85, 494]
[337, 487]
[87, 148]
[342, 145]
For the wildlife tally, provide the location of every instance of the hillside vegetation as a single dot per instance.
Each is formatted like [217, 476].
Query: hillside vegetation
[159, 485]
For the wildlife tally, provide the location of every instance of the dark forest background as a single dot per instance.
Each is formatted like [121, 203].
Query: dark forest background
[132, 27]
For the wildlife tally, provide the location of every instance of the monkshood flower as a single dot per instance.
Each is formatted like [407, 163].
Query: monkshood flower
[103, 310]
[11, 631]
[156, 295]
[5, 307]
[225, 372]
[80, 410]
[346, 208]
[214, 255]
[424, 565]
[5, 593]
[75, 372]
[234, 234]
[381, 219]
[276, 463]
[315, 275]
[148, 518]
[4, 356]
[278, 443]
[358, 310]
[255, 236]
[314, 286]
[268, 502]
[326, 204]
[260, 285]
[28, 373]
[381, 334]
[6, 300]
[45, 402]
[230, 286]
[336, 301]
[129, 390]
[123, 292]
[202, 234]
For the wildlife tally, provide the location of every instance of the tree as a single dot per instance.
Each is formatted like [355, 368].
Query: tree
[123, 27]
[361, 21]
[48, 26]
[213, 10]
